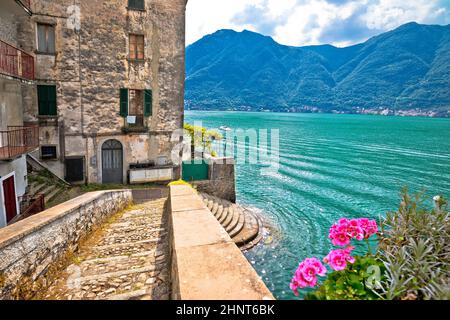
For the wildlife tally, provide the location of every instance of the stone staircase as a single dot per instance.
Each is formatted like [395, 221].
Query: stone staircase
[127, 259]
[39, 183]
[243, 226]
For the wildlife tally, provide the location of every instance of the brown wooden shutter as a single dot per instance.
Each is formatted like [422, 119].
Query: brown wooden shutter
[140, 47]
[132, 46]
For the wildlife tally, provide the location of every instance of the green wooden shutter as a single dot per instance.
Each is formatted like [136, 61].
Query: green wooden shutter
[124, 102]
[148, 103]
[42, 100]
[51, 103]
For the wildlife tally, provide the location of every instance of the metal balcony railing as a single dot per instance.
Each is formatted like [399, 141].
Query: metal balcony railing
[15, 62]
[17, 141]
[26, 4]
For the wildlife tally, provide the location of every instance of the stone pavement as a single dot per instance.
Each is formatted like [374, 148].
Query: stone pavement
[127, 259]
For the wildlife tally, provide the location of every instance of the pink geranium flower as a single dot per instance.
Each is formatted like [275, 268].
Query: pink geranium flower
[338, 259]
[306, 274]
[369, 227]
[346, 229]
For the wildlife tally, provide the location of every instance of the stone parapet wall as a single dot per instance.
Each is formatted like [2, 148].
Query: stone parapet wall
[33, 249]
[206, 264]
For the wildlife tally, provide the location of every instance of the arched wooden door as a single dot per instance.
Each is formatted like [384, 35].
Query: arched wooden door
[112, 162]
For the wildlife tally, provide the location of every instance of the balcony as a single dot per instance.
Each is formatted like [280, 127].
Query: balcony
[16, 63]
[17, 141]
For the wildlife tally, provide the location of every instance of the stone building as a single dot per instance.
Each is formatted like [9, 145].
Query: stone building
[109, 88]
[16, 78]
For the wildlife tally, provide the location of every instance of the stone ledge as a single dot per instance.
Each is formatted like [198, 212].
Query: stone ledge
[27, 226]
[34, 248]
[206, 264]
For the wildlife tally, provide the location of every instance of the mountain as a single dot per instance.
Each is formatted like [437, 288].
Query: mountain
[404, 71]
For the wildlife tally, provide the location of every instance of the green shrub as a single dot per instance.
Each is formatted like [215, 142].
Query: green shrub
[414, 247]
[202, 137]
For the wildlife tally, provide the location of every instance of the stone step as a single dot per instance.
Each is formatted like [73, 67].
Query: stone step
[229, 217]
[210, 204]
[118, 274]
[49, 189]
[53, 194]
[35, 188]
[225, 214]
[125, 248]
[131, 295]
[239, 226]
[235, 219]
[119, 225]
[129, 229]
[251, 234]
[219, 211]
[215, 208]
[111, 239]
[111, 264]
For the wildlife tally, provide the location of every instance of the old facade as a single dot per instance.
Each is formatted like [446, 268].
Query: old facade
[109, 86]
[92, 89]
[16, 78]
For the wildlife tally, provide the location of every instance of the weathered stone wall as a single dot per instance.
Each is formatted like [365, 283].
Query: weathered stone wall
[11, 112]
[221, 181]
[32, 249]
[206, 264]
[8, 26]
[91, 65]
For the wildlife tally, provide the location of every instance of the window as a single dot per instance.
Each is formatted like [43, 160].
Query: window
[74, 169]
[136, 4]
[47, 100]
[48, 152]
[46, 38]
[136, 103]
[136, 47]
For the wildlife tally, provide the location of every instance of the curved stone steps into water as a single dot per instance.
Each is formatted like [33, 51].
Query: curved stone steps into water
[243, 226]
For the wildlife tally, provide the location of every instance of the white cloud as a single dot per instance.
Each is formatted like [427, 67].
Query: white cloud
[305, 22]
[207, 16]
[388, 14]
[308, 20]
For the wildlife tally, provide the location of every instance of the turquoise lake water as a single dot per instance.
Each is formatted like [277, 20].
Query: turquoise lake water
[332, 166]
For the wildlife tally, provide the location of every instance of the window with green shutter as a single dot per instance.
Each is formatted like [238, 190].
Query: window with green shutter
[124, 102]
[47, 100]
[148, 103]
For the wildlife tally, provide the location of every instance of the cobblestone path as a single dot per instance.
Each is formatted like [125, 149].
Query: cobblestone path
[126, 259]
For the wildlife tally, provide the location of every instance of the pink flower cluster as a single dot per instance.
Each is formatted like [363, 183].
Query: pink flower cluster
[337, 259]
[341, 235]
[347, 229]
[306, 274]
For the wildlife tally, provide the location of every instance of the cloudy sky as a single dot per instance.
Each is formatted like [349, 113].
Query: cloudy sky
[306, 22]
